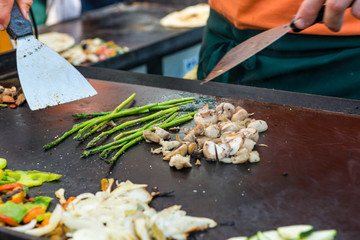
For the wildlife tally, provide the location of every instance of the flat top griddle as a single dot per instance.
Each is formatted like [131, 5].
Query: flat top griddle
[308, 174]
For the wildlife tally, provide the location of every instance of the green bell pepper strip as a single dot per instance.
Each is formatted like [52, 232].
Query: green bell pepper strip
[14, 211]
[29, 178]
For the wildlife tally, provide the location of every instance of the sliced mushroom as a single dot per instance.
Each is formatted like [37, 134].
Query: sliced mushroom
[192, 148]
[239, 115]
[251, 133]
[224, 111]
[20, 99]
[178, 139]
[186, 130]
[205, 116]
[241, 156]
[219, 108]
[174, 128]
[222, 151]
[204, 111]
[243, 123]
[229, 109]
[226, 108]
[223, 117]
[182, 150]
[151, 136]
[226, 137]
[229, 127]
[259, 125]
[212, 131]
[199, 130]
[169, 145]
[254, 157]
[249, 144]
[209, 150]
[201, 140]
[179, 162]
[226, 160]
[235, 140]
[156, 150]
[161, 133]
[190, 137]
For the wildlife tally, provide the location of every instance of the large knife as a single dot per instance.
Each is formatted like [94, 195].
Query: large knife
[254, 45]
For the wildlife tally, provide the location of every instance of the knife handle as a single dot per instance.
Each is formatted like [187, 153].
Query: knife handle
[317, 20]
[18, 26]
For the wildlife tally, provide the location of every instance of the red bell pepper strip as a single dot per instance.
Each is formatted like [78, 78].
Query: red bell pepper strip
[8, 220]
[30, 215]
[10, 186]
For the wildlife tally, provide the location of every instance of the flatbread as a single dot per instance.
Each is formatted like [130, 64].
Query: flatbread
[190, 17]
[57, 41]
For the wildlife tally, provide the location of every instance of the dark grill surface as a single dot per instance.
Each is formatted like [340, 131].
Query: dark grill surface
[308, 174]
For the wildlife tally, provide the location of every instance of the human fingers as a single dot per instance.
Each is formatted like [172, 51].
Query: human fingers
[355, 9]
[307, 13]
[5, 9]
[24, 6]
[334, 13]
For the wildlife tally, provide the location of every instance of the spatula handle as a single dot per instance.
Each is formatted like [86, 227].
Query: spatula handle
[18, 26]
[317, 20]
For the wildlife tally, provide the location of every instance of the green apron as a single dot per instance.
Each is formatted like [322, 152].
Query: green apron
[39, 9]
[324, 65]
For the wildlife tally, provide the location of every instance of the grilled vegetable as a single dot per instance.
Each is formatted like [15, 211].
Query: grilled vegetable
[28, 178]
[159, 116]
[294, 232]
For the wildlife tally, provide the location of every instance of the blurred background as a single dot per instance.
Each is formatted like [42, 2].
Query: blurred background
[129, 33]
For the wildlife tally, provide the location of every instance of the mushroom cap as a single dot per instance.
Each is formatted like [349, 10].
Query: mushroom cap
[240, 114]
[212, 131]
[209, 150]
[179, 162]
[151, 136]
[192, 147]
[259, 125]
[161, 133]
[241, 156]
[229, 127]
[251, 133]
[254, 156]
[249, 144]
[182, 150]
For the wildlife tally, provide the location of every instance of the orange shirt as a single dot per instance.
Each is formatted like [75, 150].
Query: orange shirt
[265, 14]
[5, 43]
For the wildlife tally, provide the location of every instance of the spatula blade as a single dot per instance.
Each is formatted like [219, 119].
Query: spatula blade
[46, 78]
[247, 49]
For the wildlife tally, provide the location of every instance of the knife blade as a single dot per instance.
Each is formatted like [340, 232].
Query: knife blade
[253, 45]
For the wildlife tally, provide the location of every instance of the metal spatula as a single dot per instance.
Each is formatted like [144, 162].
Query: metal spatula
[46, 78]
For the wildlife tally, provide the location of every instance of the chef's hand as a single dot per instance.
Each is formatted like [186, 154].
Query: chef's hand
[5, 9]
[333, 16]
